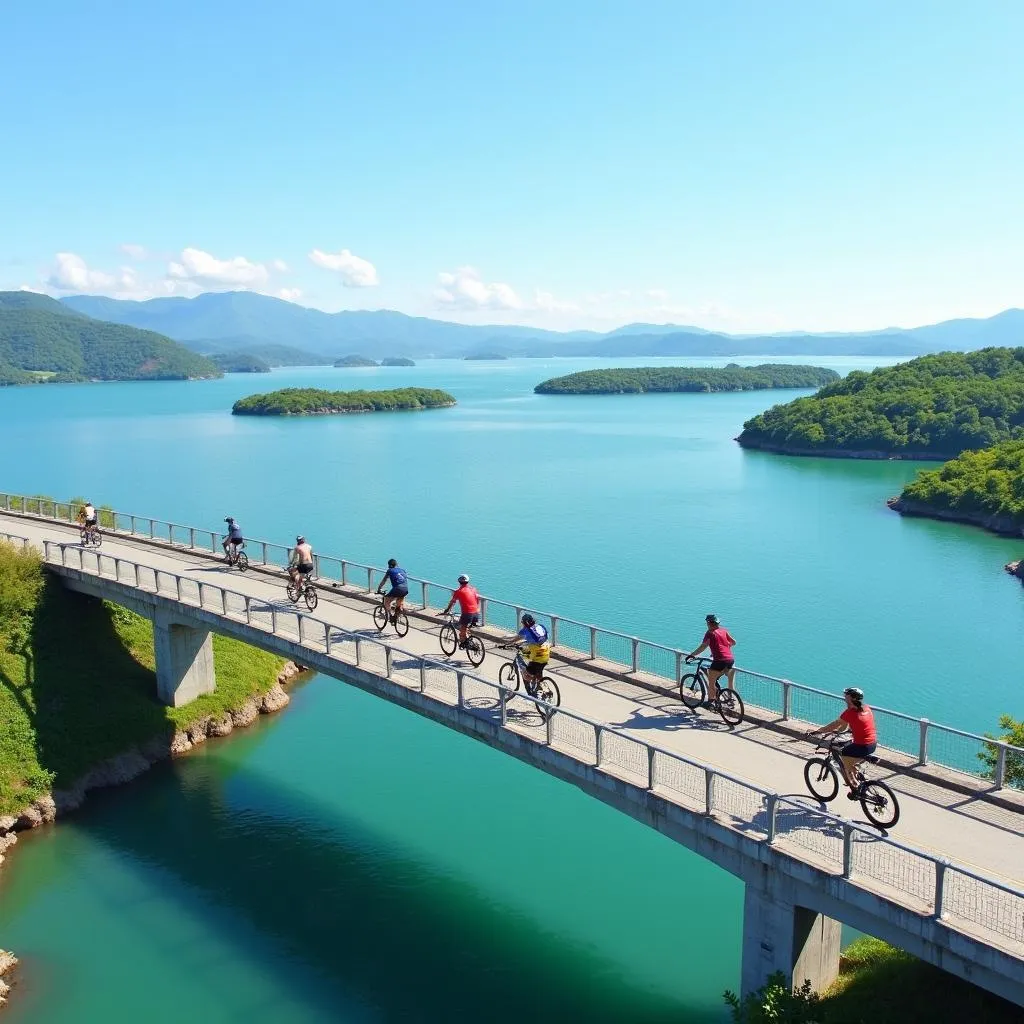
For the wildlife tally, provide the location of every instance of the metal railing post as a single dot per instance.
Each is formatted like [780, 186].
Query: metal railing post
[652, 776]
[519, 618]
[709, 791]
[922, 750]
[133, 525]
[302, 630]
[388, 654]
[344, 573]
[847, 849]
[1000, 775]
[771, 806]
[554, 630]
[598, 745]
[550, 728]
[636, 653]
[593, 643]
[359, 652]
[503, 703]
[327, 638]
[223, 601]
[787, 699]
[483, 611]
[177, 589]
[192, 538]
[679, 665]
[151, 529]
[263, 551]
[369, 579]
[459, 690]
[248, 609]
[136, 564]
[273, 620]
[940, 885]
[423, 591]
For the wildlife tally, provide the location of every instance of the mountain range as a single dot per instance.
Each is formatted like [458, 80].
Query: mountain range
[222, 322]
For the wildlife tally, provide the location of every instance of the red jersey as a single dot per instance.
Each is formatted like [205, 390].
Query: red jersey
[720, 643]
[862, 725]
[468, 598]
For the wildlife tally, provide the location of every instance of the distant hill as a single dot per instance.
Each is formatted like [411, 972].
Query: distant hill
[273, 355]
[42, 340]
[242, 320]
[353, 361]
[240, 362]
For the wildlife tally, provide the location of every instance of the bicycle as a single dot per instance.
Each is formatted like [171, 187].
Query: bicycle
[397, 617]
[91, 535]
[693, 691]
[236, 557]
[822, 775]
[304, 589]
[513, 672]
[449, 640]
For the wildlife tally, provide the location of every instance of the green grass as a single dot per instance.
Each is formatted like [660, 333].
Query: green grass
[77, 683]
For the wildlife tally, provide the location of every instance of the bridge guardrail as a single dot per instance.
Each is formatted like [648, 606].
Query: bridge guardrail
[963, 899]
[919, 738]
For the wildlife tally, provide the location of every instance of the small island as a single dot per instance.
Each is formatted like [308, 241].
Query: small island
[934, 407]
[984, 488]
[240, 362]
[355, 361]
[317, 402]
[487, 355]
[397, 361]
[681, 379]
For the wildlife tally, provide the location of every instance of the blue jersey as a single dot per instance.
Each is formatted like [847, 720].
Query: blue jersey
[399, 577]
[234, 532]
[535, 634]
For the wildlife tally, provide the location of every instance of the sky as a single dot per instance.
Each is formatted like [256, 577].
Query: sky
[741, 166]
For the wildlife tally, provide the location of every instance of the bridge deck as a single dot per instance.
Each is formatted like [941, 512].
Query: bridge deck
[937, 819]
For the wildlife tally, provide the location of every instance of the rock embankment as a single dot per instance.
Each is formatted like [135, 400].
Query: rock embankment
[1016, 569]
[8, 961]
[997, 524]
[116, 771]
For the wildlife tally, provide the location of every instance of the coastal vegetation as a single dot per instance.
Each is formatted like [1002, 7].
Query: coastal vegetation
[1012, 732]
[397, 361]
[644, 379]
[355, 361]
[317, 402]
[934, 407]
[240, 362]
[43, 341]
[984, 487]
[78, 684]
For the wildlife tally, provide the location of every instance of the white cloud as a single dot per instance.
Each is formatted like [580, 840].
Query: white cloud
[200, 268]
[70, 273]
[355, 272]
[137, 252]
[547, 303]
[464, 289]
[280, 266]
[289, 294]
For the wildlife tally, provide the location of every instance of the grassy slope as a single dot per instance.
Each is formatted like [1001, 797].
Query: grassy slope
[83, 689]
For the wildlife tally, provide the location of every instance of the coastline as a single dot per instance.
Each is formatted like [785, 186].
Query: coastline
[839, 453]
[1001, 525]
[340, 412]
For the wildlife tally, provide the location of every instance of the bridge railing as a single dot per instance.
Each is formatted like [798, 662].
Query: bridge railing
[963, 899]
[652, 663]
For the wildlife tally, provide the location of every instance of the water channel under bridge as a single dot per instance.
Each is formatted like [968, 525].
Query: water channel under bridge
[946, 887]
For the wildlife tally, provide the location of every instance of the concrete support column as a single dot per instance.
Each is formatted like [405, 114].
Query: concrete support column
[779, 936]
[184, 660]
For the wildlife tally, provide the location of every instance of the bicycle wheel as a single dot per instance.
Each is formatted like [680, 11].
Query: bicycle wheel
[879, 804]
[730, 706]
[380, 618]
[97, 538]
[448, 639]
[292, 590]
[475, 650]
[242, 561]
[401, 622]
[547, 691]
[312, 598]
[509, 678]
[821, 779]
[692, 690]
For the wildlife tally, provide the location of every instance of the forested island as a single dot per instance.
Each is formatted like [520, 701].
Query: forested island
[397, 361]
[984, 487]
[934, 407]
[317, 402]
[240, 362]
[355, 361]
[486, 355]
[644, 379]
[42, 341]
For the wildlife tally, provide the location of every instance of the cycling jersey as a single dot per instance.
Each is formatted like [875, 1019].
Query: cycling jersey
[234, 532]
[89, 514]
[468, 598]
[398, 577]
[862, 725]
[537, 648]
[720, 643]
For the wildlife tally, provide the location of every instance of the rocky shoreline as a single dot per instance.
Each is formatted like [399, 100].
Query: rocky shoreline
[1003, 525]
[116, 771]
[1016, 569]
[8, 961]
[839, 453]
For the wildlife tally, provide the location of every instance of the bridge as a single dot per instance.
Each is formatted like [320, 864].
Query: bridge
[948, 890]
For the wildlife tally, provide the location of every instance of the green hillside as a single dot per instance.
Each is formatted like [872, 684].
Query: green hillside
[934, 407]
[643, 379]
[42, 341]
[317, 402]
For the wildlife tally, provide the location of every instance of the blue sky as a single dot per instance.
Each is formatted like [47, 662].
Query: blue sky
[737, 165]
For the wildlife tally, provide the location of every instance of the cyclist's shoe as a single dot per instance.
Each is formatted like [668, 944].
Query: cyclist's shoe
[852, 795]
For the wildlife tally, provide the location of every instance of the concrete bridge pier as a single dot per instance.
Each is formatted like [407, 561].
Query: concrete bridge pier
[184, 660]
[781, 936]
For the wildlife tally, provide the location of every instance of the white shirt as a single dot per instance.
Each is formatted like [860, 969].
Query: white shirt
[90, 512]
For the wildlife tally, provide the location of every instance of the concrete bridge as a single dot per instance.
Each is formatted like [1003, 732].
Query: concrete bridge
[949, 890]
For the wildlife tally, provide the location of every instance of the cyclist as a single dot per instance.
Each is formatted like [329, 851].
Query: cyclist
[233, 539]
[301, 563]
[537, 648]
[721, 641]
[469, 606]
[860, 720]
[399, 580]
[87, 517]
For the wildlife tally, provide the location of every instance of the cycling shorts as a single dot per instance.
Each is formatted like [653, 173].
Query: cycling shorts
[469, 619]
[722, 666]
[305, 568]
[858, 750]
[398, 592]
[536, 668]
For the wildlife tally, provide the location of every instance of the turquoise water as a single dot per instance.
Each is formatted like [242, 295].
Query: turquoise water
[348, 861]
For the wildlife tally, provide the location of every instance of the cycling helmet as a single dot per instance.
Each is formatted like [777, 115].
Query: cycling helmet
[230, 519]
[711, 618]
[392, 563]
[855, 693]
[529, 620]
[300, 539]
[463, 578]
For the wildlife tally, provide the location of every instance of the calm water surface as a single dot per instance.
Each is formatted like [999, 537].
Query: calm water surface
[349, 861]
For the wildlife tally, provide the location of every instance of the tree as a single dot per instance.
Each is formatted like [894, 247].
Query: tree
[775, 1003]
[1013, 733]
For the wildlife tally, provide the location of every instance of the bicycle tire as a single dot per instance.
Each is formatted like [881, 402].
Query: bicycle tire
[509, 678]
[821, 779]
[879, 803]
[401, 622]
[312, 598]
[475, 650]
[730, 706]
[448, 639]
[547, 691]
[692, 690]
[293, 592]
[380, 618]
[242, 561]
[95, 538]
